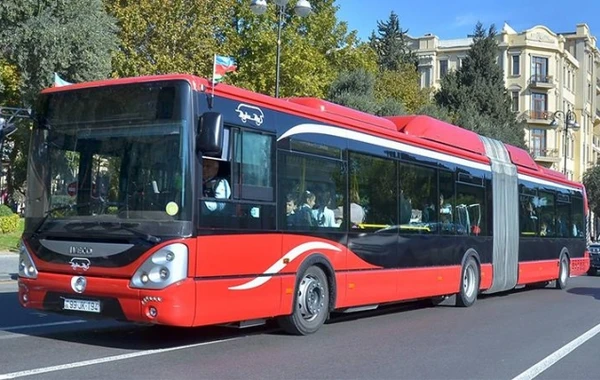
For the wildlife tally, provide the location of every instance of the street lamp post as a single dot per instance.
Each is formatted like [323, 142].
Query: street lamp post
[568, 122]
[302, 9]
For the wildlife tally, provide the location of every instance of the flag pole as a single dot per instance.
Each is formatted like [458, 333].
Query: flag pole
[214, 73]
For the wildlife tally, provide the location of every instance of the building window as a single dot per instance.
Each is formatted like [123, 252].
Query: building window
[538, 142]
[515, 101]
[539, 106]
[539, 68]
[443, 68]
[516, 69]
[425, 77]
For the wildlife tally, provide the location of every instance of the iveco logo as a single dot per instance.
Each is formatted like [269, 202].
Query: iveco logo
[80, 263]
[77, 250]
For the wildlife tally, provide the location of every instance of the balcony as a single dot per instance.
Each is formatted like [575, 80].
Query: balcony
[543, 155]
[538, 117]
[541, 81]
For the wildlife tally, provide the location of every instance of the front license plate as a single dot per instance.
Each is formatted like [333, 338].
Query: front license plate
[81, 305]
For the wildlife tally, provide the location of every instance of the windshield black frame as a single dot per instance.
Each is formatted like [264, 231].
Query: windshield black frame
[152, 119]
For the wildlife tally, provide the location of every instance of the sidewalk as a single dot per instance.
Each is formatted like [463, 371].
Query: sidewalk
[9, 266]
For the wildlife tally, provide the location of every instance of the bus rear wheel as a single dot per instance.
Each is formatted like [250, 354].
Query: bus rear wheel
[469, 283]
[563, 273]
[311, 304]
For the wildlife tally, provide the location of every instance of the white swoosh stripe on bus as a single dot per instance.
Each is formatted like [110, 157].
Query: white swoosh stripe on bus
[379, 141]
[279, 264]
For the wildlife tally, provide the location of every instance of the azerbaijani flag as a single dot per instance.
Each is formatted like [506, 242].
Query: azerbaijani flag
[59, 82]
[222, 66]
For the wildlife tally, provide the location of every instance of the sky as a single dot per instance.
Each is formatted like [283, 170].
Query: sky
[457, 19]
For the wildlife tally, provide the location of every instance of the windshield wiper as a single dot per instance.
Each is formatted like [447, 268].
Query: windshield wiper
[76, 206]
[59, 208]
[117, 226]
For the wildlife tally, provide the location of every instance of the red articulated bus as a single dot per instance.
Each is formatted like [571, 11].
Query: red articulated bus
[162, 200]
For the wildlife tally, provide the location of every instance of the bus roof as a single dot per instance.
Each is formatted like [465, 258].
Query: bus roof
[415, 129]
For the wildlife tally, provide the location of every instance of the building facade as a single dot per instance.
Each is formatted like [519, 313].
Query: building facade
[547, 74]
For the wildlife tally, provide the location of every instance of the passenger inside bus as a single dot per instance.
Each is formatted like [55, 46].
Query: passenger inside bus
[304, 214]
[323, 213]
[357, 212]
[290, 209]
[215, 185]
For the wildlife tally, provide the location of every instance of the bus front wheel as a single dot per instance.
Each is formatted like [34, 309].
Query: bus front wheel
[311, 304]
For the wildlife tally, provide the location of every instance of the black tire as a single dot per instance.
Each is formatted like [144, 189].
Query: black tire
[469, 283]
[563, 272]
[592, 271]
[311, 303]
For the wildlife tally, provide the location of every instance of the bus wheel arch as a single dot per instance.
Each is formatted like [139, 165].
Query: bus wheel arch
[564, 269]
[315, 282]
[470, 279]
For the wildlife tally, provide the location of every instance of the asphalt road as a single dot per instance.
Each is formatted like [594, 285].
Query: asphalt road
[501, 337]
[8, 265]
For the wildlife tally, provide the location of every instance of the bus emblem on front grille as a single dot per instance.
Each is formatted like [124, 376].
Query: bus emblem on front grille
[80, 263]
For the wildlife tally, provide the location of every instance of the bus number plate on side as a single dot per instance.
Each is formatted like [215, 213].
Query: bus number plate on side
[81, 305]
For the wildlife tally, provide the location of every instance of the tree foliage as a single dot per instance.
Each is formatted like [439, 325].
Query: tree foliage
[402, 85]
[356, 89]
[476, 96]
[391, 45]
[41, 37]
[591, 181]
[38, 38]
[178, 36]
[398, 78]
[313, 49]
[9, 84]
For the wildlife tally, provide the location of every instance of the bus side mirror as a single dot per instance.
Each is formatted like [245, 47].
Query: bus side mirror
[209, 139]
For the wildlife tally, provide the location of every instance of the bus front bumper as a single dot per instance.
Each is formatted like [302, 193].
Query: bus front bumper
[111, 298]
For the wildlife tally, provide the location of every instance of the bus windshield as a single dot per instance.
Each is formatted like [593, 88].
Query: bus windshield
[111, 160]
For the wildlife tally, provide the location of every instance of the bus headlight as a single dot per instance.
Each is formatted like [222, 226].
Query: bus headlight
[27, 268]
[165, 267]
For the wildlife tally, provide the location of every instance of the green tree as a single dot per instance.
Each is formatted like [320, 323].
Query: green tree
[9, 84]
[40, 37]
[356, 89]
[391, 45]
[178, 36]
[476, 96]
[398, 78]
[402, 85]
[591, 181]
[314, 49]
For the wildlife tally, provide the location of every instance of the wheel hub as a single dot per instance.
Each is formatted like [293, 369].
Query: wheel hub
[311, 295]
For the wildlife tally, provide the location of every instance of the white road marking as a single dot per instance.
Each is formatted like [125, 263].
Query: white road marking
[23, 327]
[85, 363]
[554, 357]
